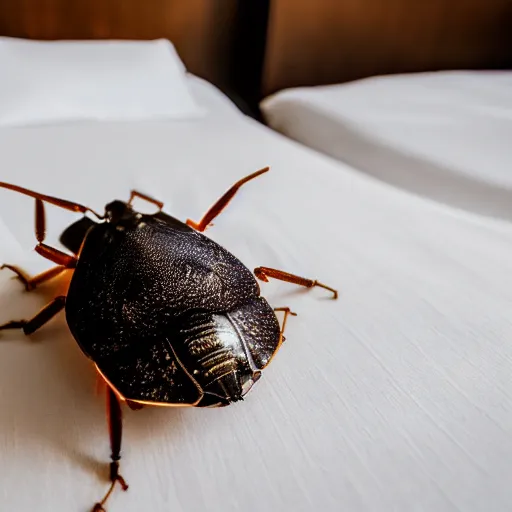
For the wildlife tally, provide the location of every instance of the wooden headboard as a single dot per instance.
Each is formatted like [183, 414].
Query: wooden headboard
[200, 29]
[331, 41]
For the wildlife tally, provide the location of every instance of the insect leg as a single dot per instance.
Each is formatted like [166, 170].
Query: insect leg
[32, 282]
[63, 260]
[287, 312]
[115, 425]
[40, 224]
[44, 316]
[222, 202]
[264, 273]
[59, 257]
[135, 193]
[46, 251]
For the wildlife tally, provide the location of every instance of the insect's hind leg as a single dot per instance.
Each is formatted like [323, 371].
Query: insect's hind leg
[264, 273]
[287, 312]
[35, 323]
[115, 424]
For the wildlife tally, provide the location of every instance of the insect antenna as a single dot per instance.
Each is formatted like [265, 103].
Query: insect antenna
[62, 203]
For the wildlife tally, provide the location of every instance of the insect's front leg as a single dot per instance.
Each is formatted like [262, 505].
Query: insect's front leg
[50, 253]
[115, 424]
[221, 203]
[64, 261]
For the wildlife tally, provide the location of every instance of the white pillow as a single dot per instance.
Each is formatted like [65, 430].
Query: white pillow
[45, 82]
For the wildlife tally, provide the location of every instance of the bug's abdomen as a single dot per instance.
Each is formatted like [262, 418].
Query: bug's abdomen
[213, 353]
[224, 352]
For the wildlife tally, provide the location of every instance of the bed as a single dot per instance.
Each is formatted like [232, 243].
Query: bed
[396, 396]
[442, 135]
[418, 97]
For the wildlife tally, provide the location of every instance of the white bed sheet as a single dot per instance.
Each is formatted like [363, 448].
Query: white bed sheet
[397, 397]
[445, 135]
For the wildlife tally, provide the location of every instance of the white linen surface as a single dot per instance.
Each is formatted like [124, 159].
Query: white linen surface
[47, 82]
[396, 397]
[444, 135]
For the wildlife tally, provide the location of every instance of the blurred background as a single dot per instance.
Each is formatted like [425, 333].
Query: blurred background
[253, 48]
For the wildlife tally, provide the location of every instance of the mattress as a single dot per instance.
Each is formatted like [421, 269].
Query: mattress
[443, 135]
[395, 397]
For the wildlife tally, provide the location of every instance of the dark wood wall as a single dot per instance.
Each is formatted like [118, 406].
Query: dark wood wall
[326, 41]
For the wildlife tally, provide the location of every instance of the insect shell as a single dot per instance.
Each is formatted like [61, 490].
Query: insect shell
[168, 316]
